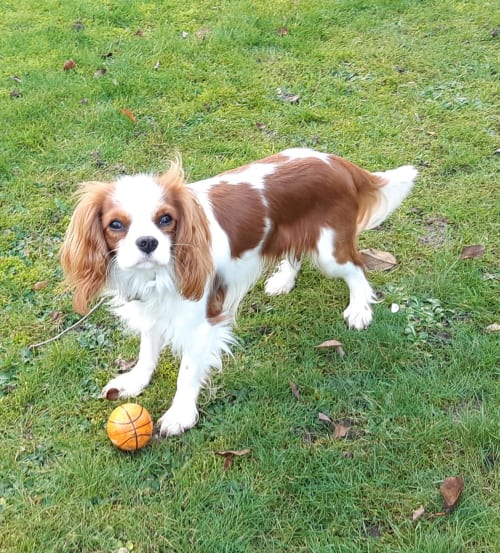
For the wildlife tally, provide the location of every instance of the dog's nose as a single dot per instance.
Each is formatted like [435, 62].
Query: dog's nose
[147, 244]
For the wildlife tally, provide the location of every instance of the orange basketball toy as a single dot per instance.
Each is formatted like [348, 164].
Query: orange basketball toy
[130, 427]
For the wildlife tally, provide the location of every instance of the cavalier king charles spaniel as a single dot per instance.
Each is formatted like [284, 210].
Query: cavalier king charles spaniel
[176, 259]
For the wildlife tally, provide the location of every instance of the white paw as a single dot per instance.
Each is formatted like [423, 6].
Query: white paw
[283, 280]
[276, 285]
[358, 316]
[178, 419]
[124, 385]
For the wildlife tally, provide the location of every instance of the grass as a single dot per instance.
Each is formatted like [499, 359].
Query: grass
[383, 83]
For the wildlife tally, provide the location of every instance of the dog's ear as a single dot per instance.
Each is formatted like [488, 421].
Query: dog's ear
[192, 256]
[84, 253]
[193, 260]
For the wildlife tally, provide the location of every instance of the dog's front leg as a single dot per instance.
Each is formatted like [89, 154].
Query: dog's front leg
[183, 413]
[132, 383]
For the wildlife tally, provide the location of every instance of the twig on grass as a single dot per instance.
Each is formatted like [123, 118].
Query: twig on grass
[73, 326]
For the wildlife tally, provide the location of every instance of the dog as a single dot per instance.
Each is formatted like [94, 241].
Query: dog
[176, 259]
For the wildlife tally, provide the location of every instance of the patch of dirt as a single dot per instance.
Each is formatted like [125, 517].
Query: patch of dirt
[435, 232]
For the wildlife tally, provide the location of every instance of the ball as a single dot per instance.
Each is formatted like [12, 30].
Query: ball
[130, 427]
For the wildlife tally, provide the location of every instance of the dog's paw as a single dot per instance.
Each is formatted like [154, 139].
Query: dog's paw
[358, 316]
[283, 279]
[277, 285]
[178, 419]
[124, 386]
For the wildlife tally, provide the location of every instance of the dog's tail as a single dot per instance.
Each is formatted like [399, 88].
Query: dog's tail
[383, 195]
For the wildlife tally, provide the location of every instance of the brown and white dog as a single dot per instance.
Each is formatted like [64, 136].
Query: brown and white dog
[178, 258]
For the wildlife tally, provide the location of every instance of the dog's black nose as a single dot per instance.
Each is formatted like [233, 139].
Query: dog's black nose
[147, 244]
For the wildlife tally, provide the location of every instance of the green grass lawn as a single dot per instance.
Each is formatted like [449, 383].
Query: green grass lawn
[383, 83]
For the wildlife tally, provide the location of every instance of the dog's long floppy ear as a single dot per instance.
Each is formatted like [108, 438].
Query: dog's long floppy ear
[192, 256]
[84, 253]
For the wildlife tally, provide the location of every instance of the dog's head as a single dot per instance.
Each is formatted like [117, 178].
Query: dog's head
[137, 223]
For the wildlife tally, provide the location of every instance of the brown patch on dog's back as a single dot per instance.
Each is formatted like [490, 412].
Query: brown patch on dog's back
[305, 196]
[239, 210]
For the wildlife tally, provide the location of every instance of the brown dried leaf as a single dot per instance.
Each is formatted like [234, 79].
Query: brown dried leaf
[333, 344]
[40, 285]
[139, 32]
[288, 96]
[282, 31]
[56, 316]
[324, 418]
[202, 34]
[124, 365]
[229, 456]
[472, 252]
[295, 390]
[419, 513]
[260, 126]
[451, 490]
[100, 73]
[128, 114]
[340, 431]
[234, 452]
[378, 260]
[69, 64]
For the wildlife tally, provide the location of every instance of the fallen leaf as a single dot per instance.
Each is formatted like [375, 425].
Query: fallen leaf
[128, 114]
[324, 418]
[139, 32]
[40, 285]
[378, 260]
[333, 344]
[56, 316]
[419, 513]
[289, 97]
[493, 327]
[124, 365]
[202, 34]
[260, 126]
[229, 456]
[69, 64]
[16, 79]
[234, 452]
[100, 73]
[282, 31]
[451, 490]
[472, 252]
[340, 431]
[295, 390]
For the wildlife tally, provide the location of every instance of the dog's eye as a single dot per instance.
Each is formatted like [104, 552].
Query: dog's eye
[116, 225]
[165, 220]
